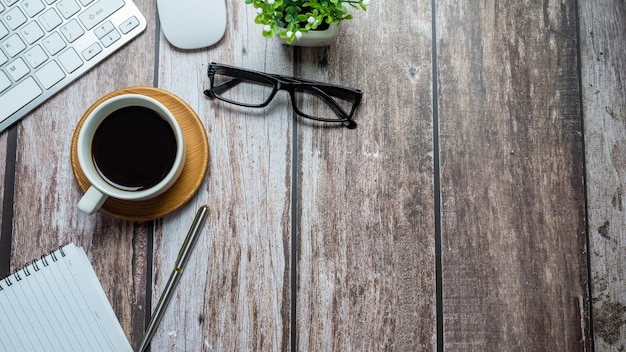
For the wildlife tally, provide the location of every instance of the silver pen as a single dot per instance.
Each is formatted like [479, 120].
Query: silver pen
[181, 260]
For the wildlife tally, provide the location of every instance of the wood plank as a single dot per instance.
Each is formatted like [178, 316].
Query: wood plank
[603, 60]
[513, 220]
[234, 294]
[46, 193]
[365, 196]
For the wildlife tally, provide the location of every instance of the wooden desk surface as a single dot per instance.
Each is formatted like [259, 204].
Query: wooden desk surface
[479, 205]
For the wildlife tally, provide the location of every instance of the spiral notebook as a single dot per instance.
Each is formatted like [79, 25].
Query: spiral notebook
[56, 303]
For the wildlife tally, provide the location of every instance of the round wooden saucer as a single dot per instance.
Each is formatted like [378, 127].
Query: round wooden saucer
[196, 161]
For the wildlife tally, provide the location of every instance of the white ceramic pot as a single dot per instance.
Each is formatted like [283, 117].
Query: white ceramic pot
[317, 37]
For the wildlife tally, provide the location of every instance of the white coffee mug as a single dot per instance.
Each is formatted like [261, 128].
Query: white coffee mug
[126, 150]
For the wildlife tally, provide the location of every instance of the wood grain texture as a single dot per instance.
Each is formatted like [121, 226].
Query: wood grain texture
[365, 197]
[603, 59]
[513, 220]
[235, 294]
[46, 194]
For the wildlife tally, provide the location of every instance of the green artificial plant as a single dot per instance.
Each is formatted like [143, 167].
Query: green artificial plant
[290, 18]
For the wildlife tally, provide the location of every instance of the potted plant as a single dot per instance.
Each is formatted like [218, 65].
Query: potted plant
[304, 22]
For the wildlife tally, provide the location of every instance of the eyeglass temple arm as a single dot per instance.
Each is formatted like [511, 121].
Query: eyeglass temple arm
[226, 85]
[288, 79]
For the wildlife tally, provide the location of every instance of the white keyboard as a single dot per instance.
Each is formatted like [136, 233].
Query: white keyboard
[46, 44]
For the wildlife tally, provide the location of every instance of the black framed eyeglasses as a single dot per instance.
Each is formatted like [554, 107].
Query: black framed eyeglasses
[311, 99]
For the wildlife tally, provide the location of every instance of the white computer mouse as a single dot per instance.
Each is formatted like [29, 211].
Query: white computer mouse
[192, 24]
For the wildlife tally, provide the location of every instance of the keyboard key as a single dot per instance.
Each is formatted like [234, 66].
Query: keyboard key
[68, 8]
[72, 31]
[129, 25]
[33, 7]
[14, 18]
[50, 19]
[18, 96]
[99, 11]
[3, 58]
[93, 50]
[5, 82]
[50, 74]
[17, 69]
[110, 38]
[3, 31]
[36, 56]
[32, 32]
[54, 43]
[13, 45]
[103, 29]
[70, 60]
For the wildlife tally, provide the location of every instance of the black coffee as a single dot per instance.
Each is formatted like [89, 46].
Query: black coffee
[134, 148]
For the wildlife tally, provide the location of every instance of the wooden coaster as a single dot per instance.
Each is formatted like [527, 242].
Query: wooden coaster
[196, 161]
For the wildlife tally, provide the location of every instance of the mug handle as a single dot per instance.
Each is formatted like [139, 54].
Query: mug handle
[91, 201]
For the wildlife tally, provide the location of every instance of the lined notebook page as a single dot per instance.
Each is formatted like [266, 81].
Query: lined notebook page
[57, 304]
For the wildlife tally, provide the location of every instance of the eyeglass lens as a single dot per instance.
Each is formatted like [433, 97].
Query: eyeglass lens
[252, 91]
[314, 102]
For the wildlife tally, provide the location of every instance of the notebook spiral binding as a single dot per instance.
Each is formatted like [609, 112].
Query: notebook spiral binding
[17, 274]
